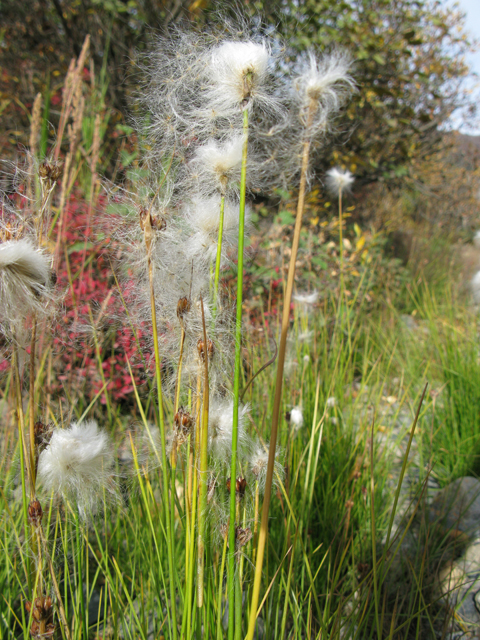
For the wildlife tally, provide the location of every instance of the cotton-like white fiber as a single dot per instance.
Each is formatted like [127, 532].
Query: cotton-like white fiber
[77, 464]
[339, 180]
[25, 276]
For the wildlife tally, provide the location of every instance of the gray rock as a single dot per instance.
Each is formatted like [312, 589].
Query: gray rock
[459, 584]
[457, 506]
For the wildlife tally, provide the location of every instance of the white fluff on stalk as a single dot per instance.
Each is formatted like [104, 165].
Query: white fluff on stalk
[306, 298]
[475, 287]
[296, 417]
[326, 83]
[25, 276]
[220, 427]
[339, 180]
[258, 463]
[78, 464]
[237, 72]
[203, 217]
[217, 166]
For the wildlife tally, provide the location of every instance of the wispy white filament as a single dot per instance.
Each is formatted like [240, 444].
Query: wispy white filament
[25, 275]
[258, 465]
[221, 426]
[203, 216]
[216, 166]
[237, 72]
[325, 82]
[306, 298]
[77, 465]
[339, 180]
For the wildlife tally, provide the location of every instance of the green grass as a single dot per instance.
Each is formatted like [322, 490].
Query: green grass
[326, 566]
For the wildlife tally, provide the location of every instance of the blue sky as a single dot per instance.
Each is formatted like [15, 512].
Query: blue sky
[472, 23]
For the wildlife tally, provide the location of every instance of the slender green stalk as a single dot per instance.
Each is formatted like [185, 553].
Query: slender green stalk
[220, 590]
[219, 254]
[202, 479]
[236, 383]
[194, 494]
[169, 530]
[23, 457]
[262, 538]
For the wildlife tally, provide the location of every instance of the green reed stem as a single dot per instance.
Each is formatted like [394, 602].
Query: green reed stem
[262, 538]
[165, 484]
[219, 254]
[220, 590]
[202, 478]
[236, 384]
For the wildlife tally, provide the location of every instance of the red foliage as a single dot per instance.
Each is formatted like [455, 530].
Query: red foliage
[85, 273]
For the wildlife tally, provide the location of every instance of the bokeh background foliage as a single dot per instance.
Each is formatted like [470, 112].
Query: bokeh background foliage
[408, 56]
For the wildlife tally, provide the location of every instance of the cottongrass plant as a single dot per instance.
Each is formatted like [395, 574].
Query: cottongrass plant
[218, 115]
[339, 181]
[71, 465]
[215, 111]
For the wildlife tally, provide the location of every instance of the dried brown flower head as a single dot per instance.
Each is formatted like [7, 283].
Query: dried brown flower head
[35, 513]
[42, 617]
[183, 307]
[183, 423]
[240, 487]
[201, 349]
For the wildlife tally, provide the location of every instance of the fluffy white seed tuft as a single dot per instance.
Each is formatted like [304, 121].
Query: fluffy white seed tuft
[258, 464]
[237, 72]
[221, 426]
[25, 276]
[203, 216]
[325, 82]
[216, 166]
[78, 464]
[339, 180]
[306, 298]
[296, 417]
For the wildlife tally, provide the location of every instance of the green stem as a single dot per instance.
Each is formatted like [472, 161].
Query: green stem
[202, 481]
[220, 591]
[165, 483]
[219, 254]
[262, 538]
[236, 384]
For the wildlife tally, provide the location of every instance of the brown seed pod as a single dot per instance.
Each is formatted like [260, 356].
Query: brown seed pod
[183, 423]
[35, 513]
[42, 617]
[240, 487]
[50, 172]
[201, 349]
[158, 223]
[183, 307]
[242, 536]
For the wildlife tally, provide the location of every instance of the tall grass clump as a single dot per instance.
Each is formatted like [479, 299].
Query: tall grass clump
[222, 121]
[167, 518]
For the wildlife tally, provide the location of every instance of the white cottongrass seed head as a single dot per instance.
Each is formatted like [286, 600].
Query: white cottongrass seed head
[220, 429]
[339, 180]
[324, 82]
[296, 417]
[78, 465]
[203, 217]
[25, 276]
[217, 166]
[306, 298]
[258, 464]
[237, 73]
[475, 287]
